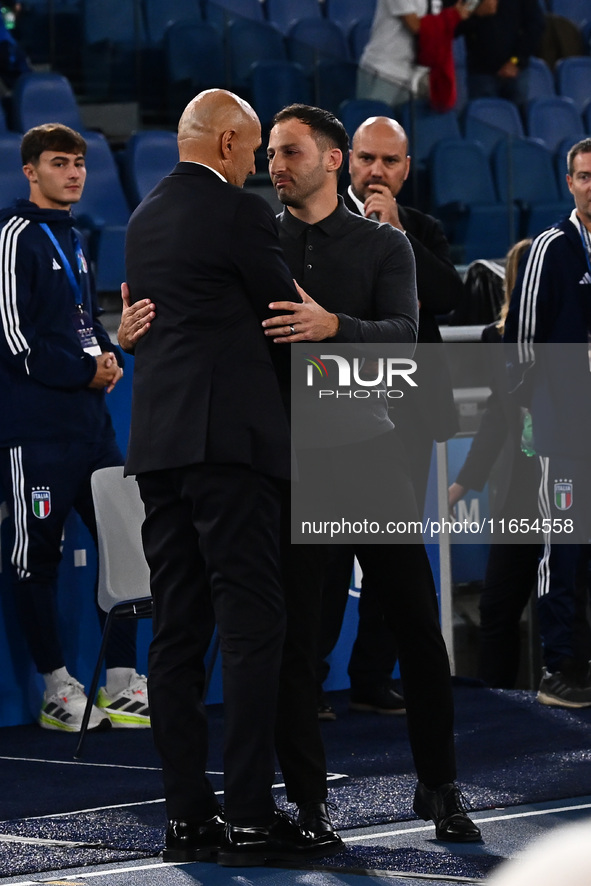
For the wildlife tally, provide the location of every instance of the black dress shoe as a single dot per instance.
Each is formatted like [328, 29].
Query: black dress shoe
[444, 806]
[314, 817]
[381, 699]
[282, 840]
[193, 841]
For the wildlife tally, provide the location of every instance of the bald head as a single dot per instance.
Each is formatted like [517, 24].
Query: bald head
[379, 156]
[381, 128]
[221, 130]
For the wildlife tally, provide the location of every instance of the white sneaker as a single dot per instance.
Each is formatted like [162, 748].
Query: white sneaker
[64, 709]
[128, 709]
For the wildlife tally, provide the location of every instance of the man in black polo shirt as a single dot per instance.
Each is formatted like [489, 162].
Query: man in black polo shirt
[361, 282]
[379, 164]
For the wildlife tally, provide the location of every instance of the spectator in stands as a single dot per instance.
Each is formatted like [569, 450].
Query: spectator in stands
[388, 68]
[550, 305]
[13, 61]
[511, 567]
[379, 165]
[498, 49]
[56, 364]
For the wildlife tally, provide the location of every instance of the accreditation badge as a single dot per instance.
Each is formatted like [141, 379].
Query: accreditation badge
[85, 330]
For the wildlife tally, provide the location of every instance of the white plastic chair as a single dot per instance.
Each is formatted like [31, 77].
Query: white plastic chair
[123, 574]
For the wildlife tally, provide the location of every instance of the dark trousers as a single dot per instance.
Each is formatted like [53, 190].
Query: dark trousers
[510, 577]
[402, 584]
[374, 652]
[211, 538]
[61, 470]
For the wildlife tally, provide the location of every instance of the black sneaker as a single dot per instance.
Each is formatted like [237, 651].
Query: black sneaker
[565, 691]
[325, 709]
[381, 699]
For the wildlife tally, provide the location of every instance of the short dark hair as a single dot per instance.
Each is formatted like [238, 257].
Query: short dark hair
[50, 137]
[582, 147]
[325, 126]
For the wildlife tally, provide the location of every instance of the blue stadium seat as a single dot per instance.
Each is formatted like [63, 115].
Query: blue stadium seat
[13, 183]
[576, 10]
[194, 60]
[540, 82]
[249, 42]
[112, 31]
[358, 37]
[352, 113]
[525, 175]
[552, 119]
[464, 198]
[44, 97]
[159, 16]
[148, 156]
[561, 169]
[311, 40]
[277, 84]
[103, 213]
[426, 127]
[573, 79]
[221, 13]
[490, 120]
[334, 83]
[284, 13]
[346, 12]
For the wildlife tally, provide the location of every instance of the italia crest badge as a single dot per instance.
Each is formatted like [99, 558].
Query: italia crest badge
[41, 501]
[563, 494]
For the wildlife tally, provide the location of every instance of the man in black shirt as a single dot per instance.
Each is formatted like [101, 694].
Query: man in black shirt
[379, 164]
[363, 276]
[498, 48]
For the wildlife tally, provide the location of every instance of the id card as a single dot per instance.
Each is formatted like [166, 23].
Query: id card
[85, 329]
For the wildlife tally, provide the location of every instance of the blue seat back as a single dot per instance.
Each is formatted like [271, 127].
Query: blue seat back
[277, 84]
[313, 39]
[249, 42]
[540, 82]
[573, 79]
[13, 184]
[353, 112]
[159, 16]
[553, 119]
[284, 13]
[147, 158]
[44, 97]
[221, 13]
[490, 120]
[358, 37]
[460, 173]
[103, 200]
[347, 12]
[194, 52]
[524, 171]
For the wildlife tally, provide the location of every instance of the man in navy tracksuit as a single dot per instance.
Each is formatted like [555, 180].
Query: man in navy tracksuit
[550, 321]
[56, 363]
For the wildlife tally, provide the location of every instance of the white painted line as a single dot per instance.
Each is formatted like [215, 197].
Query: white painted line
[80, 763]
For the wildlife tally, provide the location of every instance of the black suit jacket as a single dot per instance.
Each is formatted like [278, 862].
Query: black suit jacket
[205, 387]
[440, 290]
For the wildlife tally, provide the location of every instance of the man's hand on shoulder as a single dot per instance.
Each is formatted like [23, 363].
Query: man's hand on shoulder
[307, 321]
[136, 319]
[108, 372]
[382, 205]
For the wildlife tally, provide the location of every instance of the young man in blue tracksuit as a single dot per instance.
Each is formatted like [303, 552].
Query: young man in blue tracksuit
[56, 363]
[549, 321]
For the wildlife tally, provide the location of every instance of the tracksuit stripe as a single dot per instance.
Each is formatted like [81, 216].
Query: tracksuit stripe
[8, 303]
[545, 511]
[20, 551]
[531, 283]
